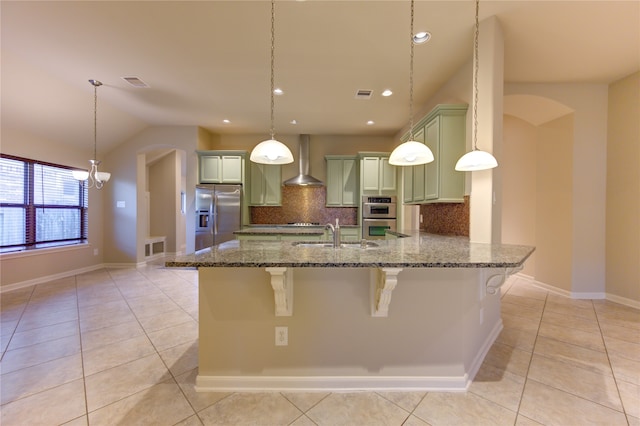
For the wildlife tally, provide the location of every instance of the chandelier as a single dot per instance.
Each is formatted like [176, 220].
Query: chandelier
[412, 152]
[272, 151]
[96, 178]
[476, 159]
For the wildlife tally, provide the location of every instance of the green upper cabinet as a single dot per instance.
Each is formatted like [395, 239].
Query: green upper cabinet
[443, 131]
[413, 176]
[377, 176]
[342, 181]
[265, 184]
[221, 166]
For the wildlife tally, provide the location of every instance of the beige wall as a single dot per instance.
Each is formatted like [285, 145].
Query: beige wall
[47, 264]
[125, 227]
[588, 192]
[537, 208]
[519, 191]
[554, 214]
[164, 204]
[623, 190]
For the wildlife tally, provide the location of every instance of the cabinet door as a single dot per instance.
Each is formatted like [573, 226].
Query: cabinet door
[265, 185]
[272, 184]
[418, 182]
[350, 182]
[432, 172]
[210, 169]
[370, 171]
[232, 169]
[387, 176]
[256, 184]
[452, 147]
[334, 182]
[407, 184]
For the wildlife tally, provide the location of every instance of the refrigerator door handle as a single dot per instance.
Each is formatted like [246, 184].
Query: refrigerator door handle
[215, 214]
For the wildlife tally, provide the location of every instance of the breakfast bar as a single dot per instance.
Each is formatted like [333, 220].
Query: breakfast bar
[414, 313]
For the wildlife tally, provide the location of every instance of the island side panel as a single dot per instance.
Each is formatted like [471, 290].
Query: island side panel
[433, 330]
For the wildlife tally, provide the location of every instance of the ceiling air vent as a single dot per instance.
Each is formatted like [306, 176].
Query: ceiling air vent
[364, 94]
[135, 82]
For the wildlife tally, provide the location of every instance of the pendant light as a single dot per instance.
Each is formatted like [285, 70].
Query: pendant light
[411, 153]
[476, 159]
[96, 178]
[271, 151]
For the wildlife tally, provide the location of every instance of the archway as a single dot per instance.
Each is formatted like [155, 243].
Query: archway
[537, 161]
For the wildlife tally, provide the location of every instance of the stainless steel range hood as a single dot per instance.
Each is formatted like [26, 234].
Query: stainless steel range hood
[303, 178]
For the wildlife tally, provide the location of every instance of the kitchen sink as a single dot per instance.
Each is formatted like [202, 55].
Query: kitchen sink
[355, 245]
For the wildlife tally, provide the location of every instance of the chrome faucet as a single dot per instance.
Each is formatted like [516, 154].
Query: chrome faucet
[336, 233]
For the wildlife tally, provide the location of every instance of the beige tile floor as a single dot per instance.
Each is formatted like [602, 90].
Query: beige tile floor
[119, 347]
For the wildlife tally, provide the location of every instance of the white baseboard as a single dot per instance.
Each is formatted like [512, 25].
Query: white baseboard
[123, 265]
[329, 383]
[486, 346]
[579, 295]
[593, 296]
[623, 301]
[47, 278]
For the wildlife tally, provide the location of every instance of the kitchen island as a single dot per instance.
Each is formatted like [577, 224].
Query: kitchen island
[401, 314]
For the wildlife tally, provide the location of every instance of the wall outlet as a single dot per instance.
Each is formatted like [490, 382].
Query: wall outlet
[96, 252]
[282, 336]
[420, 218]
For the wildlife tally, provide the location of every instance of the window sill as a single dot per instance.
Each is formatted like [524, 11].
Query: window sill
[43, 251]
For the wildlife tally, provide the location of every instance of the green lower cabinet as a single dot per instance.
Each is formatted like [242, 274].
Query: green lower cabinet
[254, 237]
[316, 237]
[350, 234]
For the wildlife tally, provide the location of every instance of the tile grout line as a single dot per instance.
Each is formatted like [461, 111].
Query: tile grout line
[526, 377]
[606, 350]
[173, 377]
[18, 322]
[84, 377]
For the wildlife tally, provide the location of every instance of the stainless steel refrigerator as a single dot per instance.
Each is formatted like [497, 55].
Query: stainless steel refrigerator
[218, 212]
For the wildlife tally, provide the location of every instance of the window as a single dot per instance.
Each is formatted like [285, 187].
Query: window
[41, 205]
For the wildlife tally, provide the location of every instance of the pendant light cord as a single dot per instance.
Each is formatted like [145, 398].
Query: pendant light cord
[475, 80]
[411, 76]
[273, 42]
[95, 121]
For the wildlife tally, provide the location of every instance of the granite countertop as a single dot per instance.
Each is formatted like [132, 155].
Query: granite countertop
[418, 250]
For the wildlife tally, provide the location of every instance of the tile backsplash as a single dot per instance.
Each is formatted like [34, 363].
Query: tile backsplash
[306, 204]
[446, 218]
[303, 204]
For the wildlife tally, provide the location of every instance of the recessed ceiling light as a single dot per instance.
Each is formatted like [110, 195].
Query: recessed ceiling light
[225, 121]
[387, 92]
[370, 123]
[421, 37]
[278, 91]
[294, 121]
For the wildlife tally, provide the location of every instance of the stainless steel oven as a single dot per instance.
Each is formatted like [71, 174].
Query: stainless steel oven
[378, 207]
[378, 216]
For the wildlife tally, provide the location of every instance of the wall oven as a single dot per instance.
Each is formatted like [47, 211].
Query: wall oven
[378, 215]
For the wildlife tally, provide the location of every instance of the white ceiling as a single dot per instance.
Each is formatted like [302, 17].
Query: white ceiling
[206, 61]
